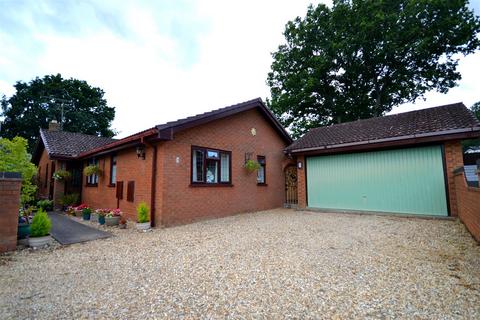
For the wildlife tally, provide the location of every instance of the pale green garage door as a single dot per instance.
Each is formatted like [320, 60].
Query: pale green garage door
[402, 181]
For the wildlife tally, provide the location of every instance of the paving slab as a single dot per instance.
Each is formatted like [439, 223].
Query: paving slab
[68, 231]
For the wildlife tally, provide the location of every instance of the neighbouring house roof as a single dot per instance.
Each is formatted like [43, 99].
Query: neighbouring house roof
[167, 130]
[426, 125]
[67, 145]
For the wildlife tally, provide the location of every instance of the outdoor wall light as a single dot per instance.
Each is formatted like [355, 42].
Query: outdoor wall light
[299, 164]
[141, 152]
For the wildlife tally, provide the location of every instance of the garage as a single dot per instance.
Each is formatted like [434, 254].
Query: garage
[396, 164]
[409, 181]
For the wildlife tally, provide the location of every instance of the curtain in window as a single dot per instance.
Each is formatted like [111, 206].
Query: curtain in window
[225, 167]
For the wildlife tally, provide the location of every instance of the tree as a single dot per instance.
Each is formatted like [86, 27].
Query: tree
[360, 58]
[473, 143]
[15, 158]
[41, 100]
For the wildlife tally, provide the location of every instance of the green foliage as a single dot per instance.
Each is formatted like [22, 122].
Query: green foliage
[70, 199]
[91, 169]
[39, 101]
[62, 175]
[252, 165]
[143, 213]
[359, 59]
[41, 224]
[45, 205]
[473, 143]
[14, 158]
[87, 211]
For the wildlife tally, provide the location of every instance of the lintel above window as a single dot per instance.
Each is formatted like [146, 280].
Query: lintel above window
[211, 166]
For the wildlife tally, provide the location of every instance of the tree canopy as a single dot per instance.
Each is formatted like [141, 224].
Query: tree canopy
[360, 58]
[39, 101]
[14, 158]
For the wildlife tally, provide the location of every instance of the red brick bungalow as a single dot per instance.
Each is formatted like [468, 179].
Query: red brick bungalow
[185, 170]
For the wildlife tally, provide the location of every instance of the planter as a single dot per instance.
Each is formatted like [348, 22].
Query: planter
[101, 220]
[122, 226]
[86, 216]
[94, 217]
[78, 213]
[112, 221]
[38, 242]
[143, 226]
[23, 230]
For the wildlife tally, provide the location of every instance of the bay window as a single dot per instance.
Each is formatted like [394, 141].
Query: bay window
[210, 166]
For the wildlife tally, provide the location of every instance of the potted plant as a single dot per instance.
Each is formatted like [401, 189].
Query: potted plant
[91, 170]
[143, 217]
[70, 210]
[94, 216]
[112, 218]
[123, 222]
[62, 175]
[251, 165]
[40, 230]
[69, 199]
[86, 212]
[79, 210]
[101, 215]
[23, 229]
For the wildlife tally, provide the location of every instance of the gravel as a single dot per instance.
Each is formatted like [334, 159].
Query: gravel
[272, 264]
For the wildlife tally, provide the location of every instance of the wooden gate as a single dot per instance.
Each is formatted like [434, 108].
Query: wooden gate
[291, 197]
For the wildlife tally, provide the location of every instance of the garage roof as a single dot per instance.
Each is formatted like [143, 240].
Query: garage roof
[453, 121]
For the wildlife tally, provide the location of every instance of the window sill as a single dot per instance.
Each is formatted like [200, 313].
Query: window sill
[200, 185]
[91, 185]
[262, 184]
[111, 185]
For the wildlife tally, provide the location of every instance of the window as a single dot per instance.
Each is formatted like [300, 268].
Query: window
[130, 191]
[210, 166]
[113, 170]
[261, 179]
[92, 179]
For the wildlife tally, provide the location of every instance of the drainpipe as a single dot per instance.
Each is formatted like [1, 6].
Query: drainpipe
[153, 186]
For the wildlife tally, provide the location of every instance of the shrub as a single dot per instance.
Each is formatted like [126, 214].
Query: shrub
[143, 213]
[41, 224]
[70, 199]
[45, 205]
[86, 210]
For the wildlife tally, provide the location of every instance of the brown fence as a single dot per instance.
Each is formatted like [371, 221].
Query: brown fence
[10, 184]
[468, 199]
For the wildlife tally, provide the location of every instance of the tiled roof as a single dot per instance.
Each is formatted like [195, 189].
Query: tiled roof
[446, 119]
[70, 144]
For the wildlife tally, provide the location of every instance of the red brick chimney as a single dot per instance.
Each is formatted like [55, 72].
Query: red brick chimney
[54, 126]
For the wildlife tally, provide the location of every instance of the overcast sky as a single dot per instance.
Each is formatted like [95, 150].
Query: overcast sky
[162, 60]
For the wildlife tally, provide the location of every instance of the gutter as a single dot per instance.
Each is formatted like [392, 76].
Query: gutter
[369, 142]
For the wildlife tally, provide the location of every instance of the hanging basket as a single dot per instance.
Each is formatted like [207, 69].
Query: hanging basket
[91, 170]
[252, 165]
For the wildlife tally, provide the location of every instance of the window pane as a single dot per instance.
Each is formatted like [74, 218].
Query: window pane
[197, 166]
[114, 174]
[225, 167]
[212, 171]
[261, 175]
[212, 154]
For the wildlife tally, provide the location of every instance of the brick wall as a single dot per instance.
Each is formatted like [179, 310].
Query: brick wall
[179, 202]
[10, 184]
[453, 159]
[468, 203]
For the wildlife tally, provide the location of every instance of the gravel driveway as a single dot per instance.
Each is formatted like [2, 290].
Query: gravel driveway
[273, 264]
